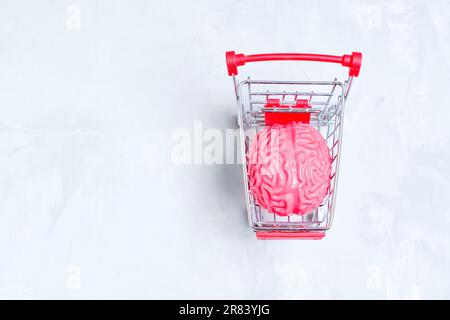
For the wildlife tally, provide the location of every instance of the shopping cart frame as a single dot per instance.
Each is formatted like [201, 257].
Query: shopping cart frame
[325, 111]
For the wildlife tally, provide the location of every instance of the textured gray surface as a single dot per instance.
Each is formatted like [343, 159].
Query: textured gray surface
[91, 205]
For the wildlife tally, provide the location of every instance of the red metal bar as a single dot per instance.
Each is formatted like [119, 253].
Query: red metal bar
[299, 235]
[353, 61]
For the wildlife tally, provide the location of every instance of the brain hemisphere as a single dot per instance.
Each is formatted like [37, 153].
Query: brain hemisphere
[289, 168]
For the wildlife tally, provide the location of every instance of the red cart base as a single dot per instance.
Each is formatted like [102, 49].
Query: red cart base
[300, 235]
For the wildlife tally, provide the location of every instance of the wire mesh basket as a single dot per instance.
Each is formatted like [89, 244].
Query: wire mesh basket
[318, 103]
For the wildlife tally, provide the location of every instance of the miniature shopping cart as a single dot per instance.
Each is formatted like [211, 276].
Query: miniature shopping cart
[261, 103]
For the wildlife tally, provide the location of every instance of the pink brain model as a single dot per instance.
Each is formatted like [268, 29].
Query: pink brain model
[289, 168]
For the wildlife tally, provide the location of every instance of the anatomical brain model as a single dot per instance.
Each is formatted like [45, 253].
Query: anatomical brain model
[289, 168]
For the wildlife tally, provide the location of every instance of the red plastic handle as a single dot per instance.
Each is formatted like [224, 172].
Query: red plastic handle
[353, 61]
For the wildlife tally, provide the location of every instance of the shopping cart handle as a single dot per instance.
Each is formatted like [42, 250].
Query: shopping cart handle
[353, 61]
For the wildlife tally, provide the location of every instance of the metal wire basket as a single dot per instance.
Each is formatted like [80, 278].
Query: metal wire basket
[325, 102]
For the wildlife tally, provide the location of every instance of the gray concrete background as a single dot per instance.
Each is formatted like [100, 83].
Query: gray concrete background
[91, 205]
